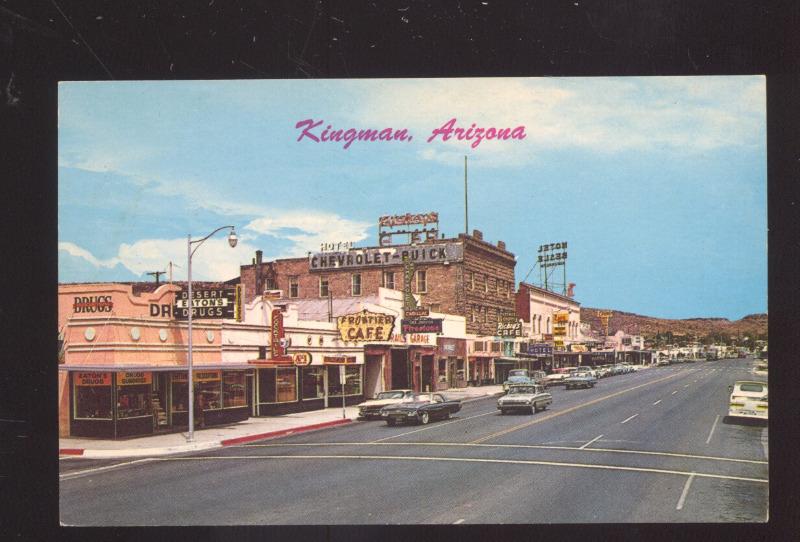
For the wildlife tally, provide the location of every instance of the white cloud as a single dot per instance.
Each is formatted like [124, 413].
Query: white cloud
[315, 228]
[74, 250]
[606, 115]
[214, 260]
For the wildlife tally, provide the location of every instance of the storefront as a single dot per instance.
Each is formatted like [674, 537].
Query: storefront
[283, 388]
[145, 400]
[451, 368]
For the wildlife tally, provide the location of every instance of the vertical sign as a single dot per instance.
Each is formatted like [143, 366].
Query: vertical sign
[276, 334]
[408, 275]
[237, 308]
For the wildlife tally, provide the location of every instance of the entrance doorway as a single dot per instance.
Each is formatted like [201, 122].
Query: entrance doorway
[373, 383]
[401, 372]
[158, 400]
[426, 382]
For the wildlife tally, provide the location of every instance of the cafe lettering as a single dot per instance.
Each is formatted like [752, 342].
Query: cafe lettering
[365, 326]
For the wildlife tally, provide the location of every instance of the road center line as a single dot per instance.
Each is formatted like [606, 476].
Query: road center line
[523, 446]
[629, 419]
[465, 460]
[571, 409]
[657, 402]
[712, 429]
[458, 521]
[595, 439]
[685, 492]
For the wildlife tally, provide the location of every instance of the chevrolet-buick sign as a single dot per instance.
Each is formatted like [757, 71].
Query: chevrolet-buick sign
[386, 256]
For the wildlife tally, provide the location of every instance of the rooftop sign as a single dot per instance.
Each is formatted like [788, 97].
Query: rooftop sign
[359, 258]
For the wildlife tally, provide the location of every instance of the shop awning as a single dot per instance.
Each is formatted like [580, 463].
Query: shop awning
[153, 368]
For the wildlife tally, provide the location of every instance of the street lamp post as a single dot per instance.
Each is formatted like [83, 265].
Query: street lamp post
[232, 240]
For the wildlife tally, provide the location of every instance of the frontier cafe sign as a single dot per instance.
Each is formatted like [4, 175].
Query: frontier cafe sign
[365, 326]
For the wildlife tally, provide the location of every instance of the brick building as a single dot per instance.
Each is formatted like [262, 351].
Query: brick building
[465, 276]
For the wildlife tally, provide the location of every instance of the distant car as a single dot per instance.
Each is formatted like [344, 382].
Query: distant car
[557, 376]
[524, 397]
[619, 369]
[604, 371]
[586, 370]
[662, 361]
[517, 376]
[580, 380]
[748, 400]
[421, 408]
[372, 407]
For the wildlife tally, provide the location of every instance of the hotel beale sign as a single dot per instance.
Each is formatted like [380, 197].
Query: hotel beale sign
[386, 256]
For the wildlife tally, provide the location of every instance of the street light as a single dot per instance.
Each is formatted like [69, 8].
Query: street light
[232, 240]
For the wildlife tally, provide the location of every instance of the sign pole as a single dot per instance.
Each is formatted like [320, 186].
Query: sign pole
[342, 381]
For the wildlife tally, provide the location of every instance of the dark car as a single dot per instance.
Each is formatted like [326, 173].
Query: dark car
[422, 408]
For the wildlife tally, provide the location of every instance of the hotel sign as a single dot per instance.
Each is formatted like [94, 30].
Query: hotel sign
[358, 258]
[365, 326]
[540, 349]
[552, 254]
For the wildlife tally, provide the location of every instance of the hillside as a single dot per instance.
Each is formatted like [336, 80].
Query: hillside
[716, 329]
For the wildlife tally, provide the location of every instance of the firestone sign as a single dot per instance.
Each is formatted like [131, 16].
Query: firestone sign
[365, 326]
[386, 256]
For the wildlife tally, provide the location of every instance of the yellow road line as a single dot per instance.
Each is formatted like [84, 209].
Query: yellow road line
[470, 460]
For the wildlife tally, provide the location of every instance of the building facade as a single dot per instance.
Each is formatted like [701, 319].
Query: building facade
[463, 276]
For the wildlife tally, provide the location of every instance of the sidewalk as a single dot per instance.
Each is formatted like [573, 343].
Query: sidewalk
[237, 433]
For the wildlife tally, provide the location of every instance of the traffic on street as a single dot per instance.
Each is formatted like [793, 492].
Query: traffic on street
[653, 445]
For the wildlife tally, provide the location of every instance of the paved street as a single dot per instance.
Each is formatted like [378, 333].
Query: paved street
[650, 446]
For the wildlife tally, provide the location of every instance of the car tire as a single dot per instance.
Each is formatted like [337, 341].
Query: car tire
[535, 408]
[390, 421]
[544, 406]
[424, 418]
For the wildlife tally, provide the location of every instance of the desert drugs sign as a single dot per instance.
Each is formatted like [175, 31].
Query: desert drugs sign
[365, 326]
[212, 303]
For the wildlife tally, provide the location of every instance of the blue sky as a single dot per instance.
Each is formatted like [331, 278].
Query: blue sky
[658, 184]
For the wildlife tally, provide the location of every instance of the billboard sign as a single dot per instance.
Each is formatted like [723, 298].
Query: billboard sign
[358, 258]
[552, 254]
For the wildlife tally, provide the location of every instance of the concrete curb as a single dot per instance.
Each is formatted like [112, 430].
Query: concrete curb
[198, 446]
[284, 432]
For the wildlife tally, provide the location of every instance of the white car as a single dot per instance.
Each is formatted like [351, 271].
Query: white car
[372, 407]
[749, 400]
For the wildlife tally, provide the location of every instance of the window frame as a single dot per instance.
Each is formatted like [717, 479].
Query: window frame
[424, 274]
[327, 286]
[353, 278]
[294, 282]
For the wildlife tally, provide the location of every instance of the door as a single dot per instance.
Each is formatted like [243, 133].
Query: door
[373, 383]
[426, 382]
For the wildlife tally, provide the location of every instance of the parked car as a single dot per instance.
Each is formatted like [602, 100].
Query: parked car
[372, 407]
[517, 376]
[662, 361]
[421, 408]
[557, 376]
[604, 371]
[531, 398]
[748, 400]
[580, 380]
[586, 369]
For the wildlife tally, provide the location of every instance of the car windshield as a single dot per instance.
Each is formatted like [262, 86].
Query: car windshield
[751, 387]
[517, 390]
[421, 398]
[390, 395]
[518, 372]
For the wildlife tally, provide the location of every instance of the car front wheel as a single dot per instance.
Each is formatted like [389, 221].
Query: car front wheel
[424, 418]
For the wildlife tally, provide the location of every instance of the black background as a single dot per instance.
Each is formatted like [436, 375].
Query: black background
[47, 41]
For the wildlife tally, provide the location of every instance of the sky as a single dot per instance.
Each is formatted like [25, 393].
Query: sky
[658, 184]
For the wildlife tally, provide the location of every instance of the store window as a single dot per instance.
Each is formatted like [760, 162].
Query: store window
[356, 282]
[209, 389]
[92, 396]
[422, 282]
[352, 384]
[233, 389]
[323, 286]
[294, 288]
[134, 391]
[286, 384]
[388, 279]
[313, 383]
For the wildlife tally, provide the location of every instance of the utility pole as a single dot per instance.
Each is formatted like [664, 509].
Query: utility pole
[466, 206]
[156, 274]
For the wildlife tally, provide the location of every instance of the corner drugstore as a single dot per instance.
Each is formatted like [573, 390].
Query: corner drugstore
[123, 372]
